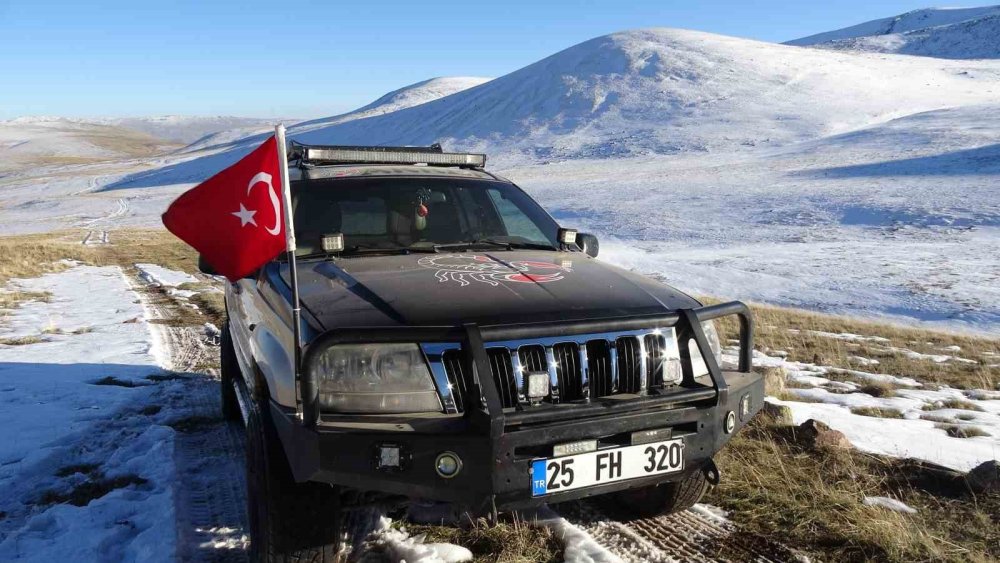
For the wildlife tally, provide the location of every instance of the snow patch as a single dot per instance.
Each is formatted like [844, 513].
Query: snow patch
[889, 504]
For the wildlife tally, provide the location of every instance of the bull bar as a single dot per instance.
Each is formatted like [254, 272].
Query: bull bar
[496, 443]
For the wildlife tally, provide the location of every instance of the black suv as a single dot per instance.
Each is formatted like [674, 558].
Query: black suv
[460, 347]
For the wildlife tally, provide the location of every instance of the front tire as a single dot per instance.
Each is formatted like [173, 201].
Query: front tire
[229, 370]
[289, 521]
[667, 498]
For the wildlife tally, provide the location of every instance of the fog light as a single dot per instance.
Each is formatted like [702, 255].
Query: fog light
[333, 242]
[448, 464]
[538, 385]
[388, 457]
[730, 422]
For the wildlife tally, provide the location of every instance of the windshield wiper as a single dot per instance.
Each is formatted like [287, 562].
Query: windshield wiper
[492, 243]
[470, 245]
[362, 250]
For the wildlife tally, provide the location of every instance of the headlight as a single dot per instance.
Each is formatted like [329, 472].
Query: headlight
[698, 367]
[374, 378]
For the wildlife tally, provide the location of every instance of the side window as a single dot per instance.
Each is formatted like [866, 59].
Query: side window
[515, 221]
[363, 217]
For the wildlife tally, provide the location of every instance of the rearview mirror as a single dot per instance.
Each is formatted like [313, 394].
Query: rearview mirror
[205, 267]
[588, 243]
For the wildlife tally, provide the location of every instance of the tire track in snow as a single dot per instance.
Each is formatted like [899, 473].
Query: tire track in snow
[692, 535]
[211, 488]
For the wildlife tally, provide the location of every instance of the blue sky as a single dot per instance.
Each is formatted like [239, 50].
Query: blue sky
[309, 58]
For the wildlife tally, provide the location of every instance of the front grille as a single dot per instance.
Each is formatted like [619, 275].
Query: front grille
[602, 381]
[589, 367]
[533, 359]
[454, 366]
[654, 359]
[503, 375]
[567, 356]
[629, 364]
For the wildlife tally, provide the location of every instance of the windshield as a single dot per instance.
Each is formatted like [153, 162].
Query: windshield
[417, 214]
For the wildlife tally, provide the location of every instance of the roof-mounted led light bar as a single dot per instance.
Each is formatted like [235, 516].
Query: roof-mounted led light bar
[433, 156]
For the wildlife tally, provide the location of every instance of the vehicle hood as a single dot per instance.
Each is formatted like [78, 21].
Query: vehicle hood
[488, 288]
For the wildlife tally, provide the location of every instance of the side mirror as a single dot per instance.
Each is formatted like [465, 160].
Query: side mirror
[205, 267]
[588, 243]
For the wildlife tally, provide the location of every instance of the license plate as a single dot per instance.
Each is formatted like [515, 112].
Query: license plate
[560, 474]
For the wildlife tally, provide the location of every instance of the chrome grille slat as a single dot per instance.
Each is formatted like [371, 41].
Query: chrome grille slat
[454, 367]
[503, 375]
[570, 376]
[629, 357]
[654, 359]
[600, 362]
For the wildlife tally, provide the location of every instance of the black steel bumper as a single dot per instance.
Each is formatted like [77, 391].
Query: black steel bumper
[497, 446]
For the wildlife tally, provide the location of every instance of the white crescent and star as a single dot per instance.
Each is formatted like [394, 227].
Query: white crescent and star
[246, 216]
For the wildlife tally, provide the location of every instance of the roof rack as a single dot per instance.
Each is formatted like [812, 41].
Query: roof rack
[320, 155]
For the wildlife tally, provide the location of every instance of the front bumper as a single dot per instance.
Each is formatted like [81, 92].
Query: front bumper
[497, 447]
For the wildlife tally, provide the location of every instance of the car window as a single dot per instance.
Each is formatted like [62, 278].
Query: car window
[515, 221]
[363, 217]
[394, 212]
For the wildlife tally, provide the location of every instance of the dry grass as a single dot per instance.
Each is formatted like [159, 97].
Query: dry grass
[94, 488]
[29, 256]
[812, 500]
[877, 412]
[953, 404]
[212, 304]
[961, 431]
[14, 299]
[510, 540]
[21, 340]
[795, 332]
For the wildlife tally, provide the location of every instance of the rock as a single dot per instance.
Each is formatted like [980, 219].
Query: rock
[780, 414]
[774, 380]
[984, 478]
[818, 436]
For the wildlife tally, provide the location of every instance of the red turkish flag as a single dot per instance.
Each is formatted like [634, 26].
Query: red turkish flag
[234, 219]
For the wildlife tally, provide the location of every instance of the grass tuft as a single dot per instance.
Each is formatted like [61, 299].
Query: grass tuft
[115, 382]
[961, 431]
[22, 340]
[876, 412]
[94, 488]
[85, 468]
[510, 540]
[952, 404]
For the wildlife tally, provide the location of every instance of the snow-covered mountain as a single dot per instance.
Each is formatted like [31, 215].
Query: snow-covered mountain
[951, 33]
[405, 97]
[652, 91]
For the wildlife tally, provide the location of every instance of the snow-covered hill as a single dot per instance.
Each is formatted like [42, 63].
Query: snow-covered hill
[646, 92]
[405, 97]
[184, 128]
[951, 33]
[47, 140]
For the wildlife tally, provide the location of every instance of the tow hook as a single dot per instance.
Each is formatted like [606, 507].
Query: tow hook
[712, 473]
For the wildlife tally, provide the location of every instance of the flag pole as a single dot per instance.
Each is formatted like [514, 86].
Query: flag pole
[286, 198]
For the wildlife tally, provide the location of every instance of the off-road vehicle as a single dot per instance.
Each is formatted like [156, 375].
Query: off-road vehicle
[460, 347]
